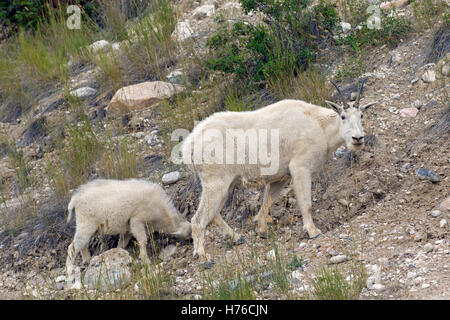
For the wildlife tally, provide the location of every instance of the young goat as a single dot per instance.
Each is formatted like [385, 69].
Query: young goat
[307, 133]
[124, 207]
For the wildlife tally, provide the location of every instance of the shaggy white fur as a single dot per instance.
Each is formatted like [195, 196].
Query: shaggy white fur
[308, 134]
[125, 207]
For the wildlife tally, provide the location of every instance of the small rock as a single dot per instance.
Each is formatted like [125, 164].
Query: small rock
[109, 271]
[98, 46]
[343, 202]
[137, 96]
[183, 30]
[420, 236]
[338, 259]
[300, 247]
[180, 273]
[428, 247]
[83, 92]
[393, 110]
[429, 76]
[60, 279]
[332, 252]
[346, 26]
[443, 223]
[396, 57]
[425, 285]
[378, 287]
[415, 80]
[340, 152]
[171, 177]
[116, 46]
[60, 286]
[424, 173]
[409, 112]
[436, 213]
[417, 104]
[175, 76]
[446, 69]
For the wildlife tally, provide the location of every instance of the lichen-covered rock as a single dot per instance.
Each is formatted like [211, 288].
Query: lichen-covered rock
[109, 271]
[83, 93]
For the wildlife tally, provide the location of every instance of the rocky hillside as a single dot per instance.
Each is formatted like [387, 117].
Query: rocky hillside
[384, 211]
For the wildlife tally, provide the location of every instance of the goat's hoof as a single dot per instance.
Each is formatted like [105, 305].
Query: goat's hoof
[316, 236]
[196, 256]
[240, 241]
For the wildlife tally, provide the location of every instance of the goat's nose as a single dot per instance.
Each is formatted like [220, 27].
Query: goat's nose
[358, 139]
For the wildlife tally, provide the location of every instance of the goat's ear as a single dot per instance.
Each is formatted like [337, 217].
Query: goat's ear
[366, 106]
[335, 106]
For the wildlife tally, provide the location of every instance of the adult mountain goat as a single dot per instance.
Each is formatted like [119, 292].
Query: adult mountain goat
[125, 207]
[302, 137]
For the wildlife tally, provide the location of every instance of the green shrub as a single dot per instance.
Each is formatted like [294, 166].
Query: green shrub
[393, 29]
[428, 12]
[284, 44]
[25, 13]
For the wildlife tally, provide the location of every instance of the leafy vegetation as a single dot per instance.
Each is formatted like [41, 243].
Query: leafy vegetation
[285, 44]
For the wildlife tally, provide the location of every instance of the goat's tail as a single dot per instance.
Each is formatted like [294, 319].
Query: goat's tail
[188, 153]
[71, 209]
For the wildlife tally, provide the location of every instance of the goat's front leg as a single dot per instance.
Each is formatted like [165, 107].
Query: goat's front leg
[302, 187]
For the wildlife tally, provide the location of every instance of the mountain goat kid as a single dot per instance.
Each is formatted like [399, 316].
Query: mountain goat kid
[124, 207]
[303, 136]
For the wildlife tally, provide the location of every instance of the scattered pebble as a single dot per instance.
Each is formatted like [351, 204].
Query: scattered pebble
[424, 173]
[436, 213]
[338, 259]
[428, 247]
[429, 76]
[409, 112]
[171, 177]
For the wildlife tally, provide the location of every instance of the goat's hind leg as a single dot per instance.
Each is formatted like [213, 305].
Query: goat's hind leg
[137, 229]
[212, 200]
[271, 193]
[124, 238]
[227, 230]
[79, 243]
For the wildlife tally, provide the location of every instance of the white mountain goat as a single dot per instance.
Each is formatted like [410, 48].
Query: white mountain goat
[303, 136]
[125, 207]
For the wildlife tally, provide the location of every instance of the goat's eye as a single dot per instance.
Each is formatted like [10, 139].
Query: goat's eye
[361, 116]
[343, 117]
